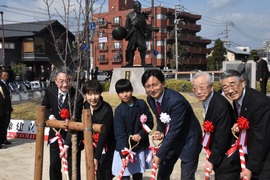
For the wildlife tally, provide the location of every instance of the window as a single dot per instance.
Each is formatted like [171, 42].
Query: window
[8, 45]
[60, 45]
[102, 46]
[161, 16]
[117, 20]
[101, 22]
[101, 34]
[101, 58]
[39, 45]
[117, 45]
[28, 47]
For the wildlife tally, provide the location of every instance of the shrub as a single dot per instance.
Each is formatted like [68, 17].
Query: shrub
[105, 86]
[185, 86]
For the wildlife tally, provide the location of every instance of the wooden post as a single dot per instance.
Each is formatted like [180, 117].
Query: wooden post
[88, 128]
[40, 124]
[88, 144]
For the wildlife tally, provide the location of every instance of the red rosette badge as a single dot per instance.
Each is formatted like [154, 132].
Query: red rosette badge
[208, 128]
[64, 113]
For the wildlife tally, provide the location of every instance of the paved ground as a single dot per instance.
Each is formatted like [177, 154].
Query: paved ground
[17, 162]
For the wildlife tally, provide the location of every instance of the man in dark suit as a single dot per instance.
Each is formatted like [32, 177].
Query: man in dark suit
[255, 107]
[261, 73]
[70, 99]
[219, 111]
[5, 108]
[183, 137]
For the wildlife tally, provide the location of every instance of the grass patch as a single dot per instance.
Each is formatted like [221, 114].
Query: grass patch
[27, 110]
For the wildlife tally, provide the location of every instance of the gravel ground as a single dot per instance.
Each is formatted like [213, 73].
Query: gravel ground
[17, 162]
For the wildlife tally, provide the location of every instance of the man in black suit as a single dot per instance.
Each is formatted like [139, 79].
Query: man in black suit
[70, 99]
[219, 111]
[5, 108]
[261, 73]
[255, 107]
[182, 133]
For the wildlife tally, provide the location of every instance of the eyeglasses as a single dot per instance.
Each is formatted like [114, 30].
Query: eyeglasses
[63, 81]
[201, 88]
[232, 85]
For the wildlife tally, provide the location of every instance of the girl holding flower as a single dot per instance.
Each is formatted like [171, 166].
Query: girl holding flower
[129, 124]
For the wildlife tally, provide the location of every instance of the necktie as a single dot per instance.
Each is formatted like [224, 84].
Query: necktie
[238, 107]
[158, 107]
[204, 110]
[60, 101]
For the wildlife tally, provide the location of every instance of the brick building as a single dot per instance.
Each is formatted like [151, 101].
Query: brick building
[109, 53]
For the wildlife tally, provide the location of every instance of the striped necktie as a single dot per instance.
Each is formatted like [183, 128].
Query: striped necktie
[238, 108]
[60, 101]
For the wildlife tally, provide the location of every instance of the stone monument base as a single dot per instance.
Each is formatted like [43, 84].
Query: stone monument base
[133, 74]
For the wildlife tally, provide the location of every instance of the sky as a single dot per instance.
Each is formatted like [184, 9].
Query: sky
[245, 21]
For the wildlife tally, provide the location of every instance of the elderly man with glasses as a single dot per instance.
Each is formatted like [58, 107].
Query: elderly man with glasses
[62, 95]
[254, 106]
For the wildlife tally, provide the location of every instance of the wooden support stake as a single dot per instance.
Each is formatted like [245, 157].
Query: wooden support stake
[88, 145]
[40, 124]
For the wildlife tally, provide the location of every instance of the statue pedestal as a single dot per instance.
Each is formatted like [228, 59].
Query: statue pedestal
[133, 74]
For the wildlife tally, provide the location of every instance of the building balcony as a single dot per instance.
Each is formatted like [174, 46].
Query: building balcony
[103, 48]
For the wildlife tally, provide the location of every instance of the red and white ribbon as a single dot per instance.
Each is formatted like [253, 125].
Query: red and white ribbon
[243, 140]
[146, 128]
[242, 160]
[208, 129]
[143, 120]
[153, 171]
[130, 156]
[206, 139]
[61, 148]
[167, 126]
[152, 152]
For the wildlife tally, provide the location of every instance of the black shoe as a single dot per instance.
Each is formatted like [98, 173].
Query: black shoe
[7, 142]
[3, 146]
[128, 65]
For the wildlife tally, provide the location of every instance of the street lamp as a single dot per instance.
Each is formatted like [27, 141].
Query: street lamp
[3, 37]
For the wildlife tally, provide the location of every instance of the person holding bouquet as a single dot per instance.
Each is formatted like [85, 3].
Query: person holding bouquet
[104, 143]
[132, 140]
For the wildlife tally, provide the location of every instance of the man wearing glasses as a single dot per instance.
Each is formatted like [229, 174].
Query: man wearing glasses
[59, 96]
[219, 112]
[255, 107]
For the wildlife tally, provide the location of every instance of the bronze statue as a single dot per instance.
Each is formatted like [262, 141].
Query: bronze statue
[136, 32]
[137, 29]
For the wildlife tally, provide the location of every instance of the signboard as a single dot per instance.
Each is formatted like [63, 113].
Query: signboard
[92, 26]
[24, 129]
[102, 39]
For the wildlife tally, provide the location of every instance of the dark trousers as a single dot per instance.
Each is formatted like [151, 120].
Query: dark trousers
[104, 171]
[263, 85]
[3, 129]
[55, 163]
[230, 175]
[166, 166]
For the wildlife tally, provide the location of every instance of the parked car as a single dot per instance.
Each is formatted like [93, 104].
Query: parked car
[101, 76]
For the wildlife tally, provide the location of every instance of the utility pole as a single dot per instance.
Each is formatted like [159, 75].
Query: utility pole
[3, 38]
[153, 34]
[176, 39]
[86, 30]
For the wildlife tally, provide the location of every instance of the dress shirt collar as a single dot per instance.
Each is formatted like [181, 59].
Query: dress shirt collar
[207, 101]
[161, 97]
[240, 101]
